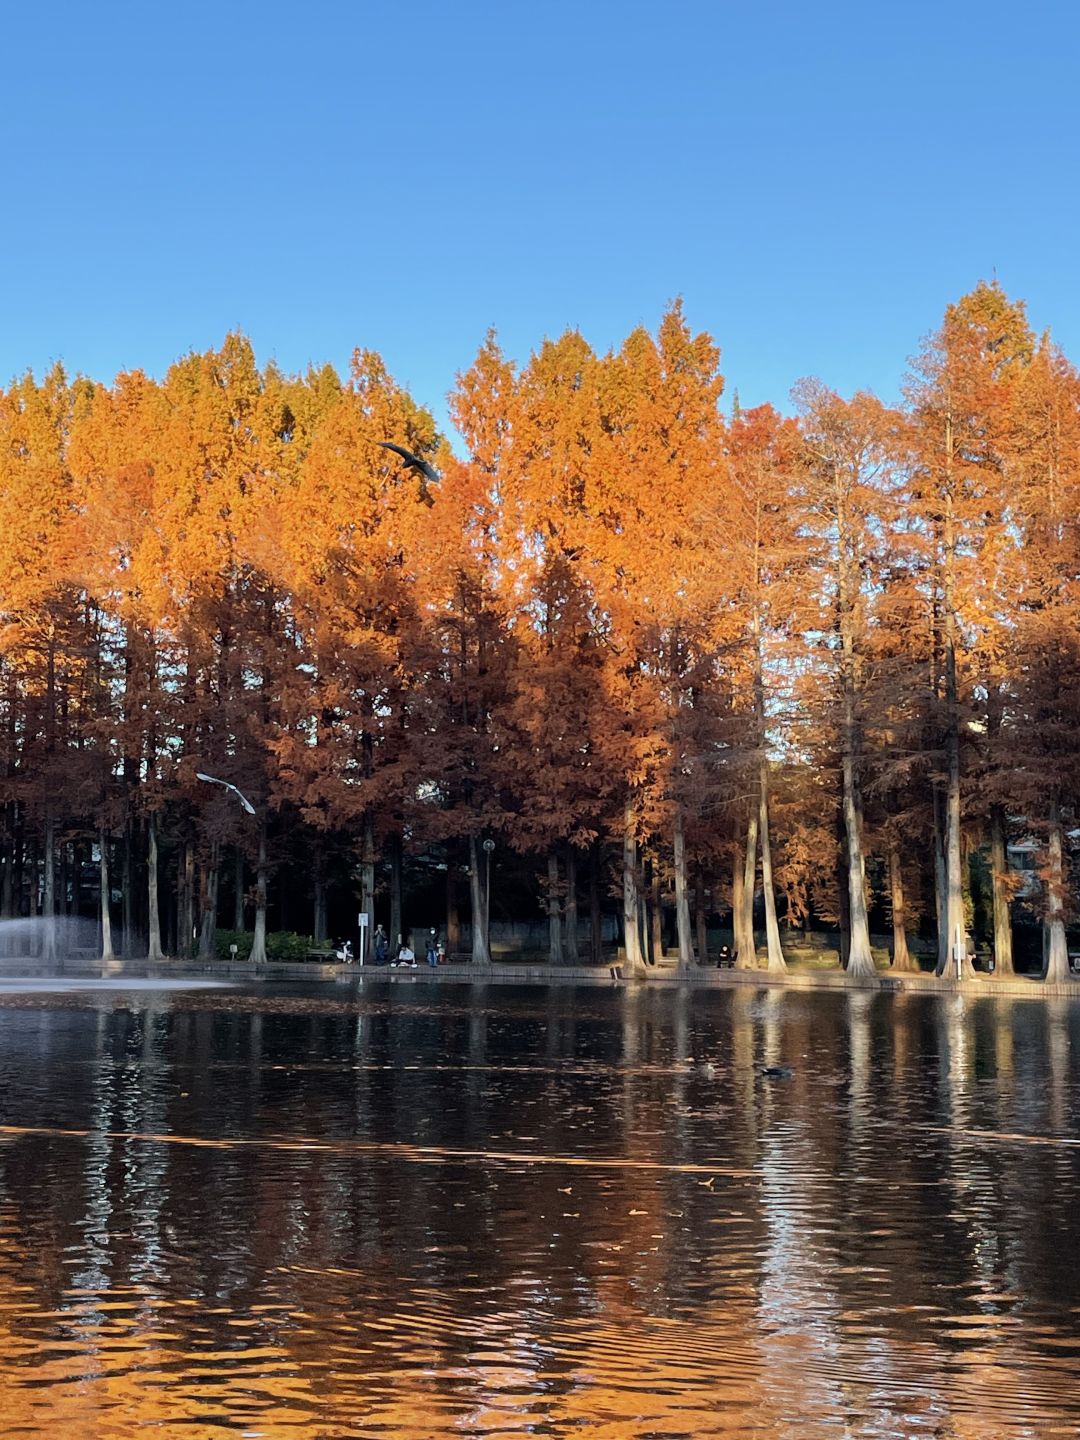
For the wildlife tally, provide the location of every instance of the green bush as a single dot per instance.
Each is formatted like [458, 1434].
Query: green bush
[240, 938]
[287, 945]
[280, 945]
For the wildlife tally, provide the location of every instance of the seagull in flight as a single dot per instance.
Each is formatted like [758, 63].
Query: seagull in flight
[213, 780]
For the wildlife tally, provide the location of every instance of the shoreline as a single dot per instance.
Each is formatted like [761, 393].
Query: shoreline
[1018, 986]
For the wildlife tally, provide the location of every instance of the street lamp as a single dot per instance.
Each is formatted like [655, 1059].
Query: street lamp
[213, 780]
[489, 847]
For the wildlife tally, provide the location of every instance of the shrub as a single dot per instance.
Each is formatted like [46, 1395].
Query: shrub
[287, 945]
[240, 938]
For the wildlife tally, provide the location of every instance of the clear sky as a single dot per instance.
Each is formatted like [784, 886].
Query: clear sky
[817, 180]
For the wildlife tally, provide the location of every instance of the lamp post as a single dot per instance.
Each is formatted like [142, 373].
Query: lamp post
[489, 847]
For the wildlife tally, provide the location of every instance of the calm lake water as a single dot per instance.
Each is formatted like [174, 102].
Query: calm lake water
[416, 1210]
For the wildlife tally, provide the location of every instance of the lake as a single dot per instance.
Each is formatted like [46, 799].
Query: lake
[393, 1207]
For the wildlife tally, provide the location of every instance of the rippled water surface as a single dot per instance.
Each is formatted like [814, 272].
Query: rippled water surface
[416, 1210]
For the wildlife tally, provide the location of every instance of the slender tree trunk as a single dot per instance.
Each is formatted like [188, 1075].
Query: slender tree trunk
[701, 919]
[128, 943]
[772, 928]
[999, 863]
[635, 960]
[397, 923]
[367, 889]
[481, 951]
[208, 926]
[318, 918]
[555, 945]
[738, 909]
[941, 885]
[154, 951]
[656, 915]
[682, 896]
[954, 879]
[453, 915]
[1057, 955]
[901, 959]
[596, 925]
[258, 944]
[860, 957]
[238, 889]
[48, 939]
[185, 922]
[106, 898]
[570, 928]
[746, 955]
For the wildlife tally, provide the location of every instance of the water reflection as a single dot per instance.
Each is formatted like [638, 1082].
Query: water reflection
[435, 1211]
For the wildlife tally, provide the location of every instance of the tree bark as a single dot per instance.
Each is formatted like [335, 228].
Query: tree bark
[570, 926]
[318, 918]
[48, 901]
[127, 939]
[453, 915]
[656, 916]
[555, 945]
[902, 958]
[367, 888]
[738, 915]
[481, 951]
[238, 890]
[106, 900]
[1057, 956]
[397, 922]
[185, 918]
[999, 862]
[154, 951]
[746, 955]
[258, 944]
[682, 896]
[772, 928]
[701, 919]
[635, 960]
[208, 925]
[596, 924]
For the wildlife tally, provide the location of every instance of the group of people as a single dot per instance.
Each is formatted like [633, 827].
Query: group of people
[405, 956]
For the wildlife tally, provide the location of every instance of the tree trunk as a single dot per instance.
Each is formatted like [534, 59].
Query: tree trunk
[738, 913]
[48, 903]
[453, 915]
[106, 899]
[860, 957]
[635, 960]
[682, 896]
[701, 919]
[656, 916]
[397, 906]
[185, 919]
[999, 862]
[208, 925]
[772, 928]
[238, 890]
[570, 926]
[596, 924]
[555, 945]
[318, 918]
[367, 890]
[1057, 955]
[258, 944]
[154, 951]
[128, 943]
[901, 959]
[940, 888]
[746, 955]
[954, 879]
[481, 950]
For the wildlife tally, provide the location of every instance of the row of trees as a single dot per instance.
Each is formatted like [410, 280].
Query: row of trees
[820, 657]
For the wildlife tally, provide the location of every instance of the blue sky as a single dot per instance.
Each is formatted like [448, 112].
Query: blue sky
[816, 180]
